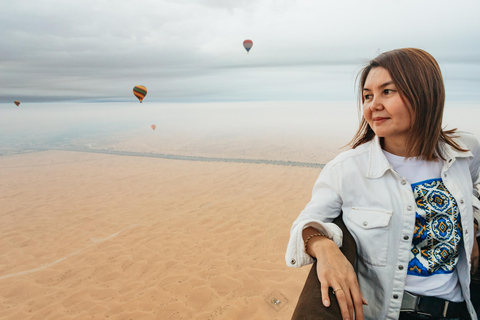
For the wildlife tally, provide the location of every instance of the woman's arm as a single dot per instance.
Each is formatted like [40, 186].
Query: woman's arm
[333, 269]
[324, 206]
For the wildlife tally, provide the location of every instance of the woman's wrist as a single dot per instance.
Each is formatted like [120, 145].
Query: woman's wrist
[312, 238]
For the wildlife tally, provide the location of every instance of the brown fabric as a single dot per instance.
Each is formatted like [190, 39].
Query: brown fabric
[476, 276]
[475, 288]
[310, 306]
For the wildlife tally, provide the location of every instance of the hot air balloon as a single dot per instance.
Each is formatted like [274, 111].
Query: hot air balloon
[140, 92]
[247, 44]
[17, 102]
[153, 126]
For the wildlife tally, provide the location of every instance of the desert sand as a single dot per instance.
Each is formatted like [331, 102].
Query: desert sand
[99, 236]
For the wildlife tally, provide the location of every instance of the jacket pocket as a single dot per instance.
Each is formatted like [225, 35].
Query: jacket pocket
[370, 229]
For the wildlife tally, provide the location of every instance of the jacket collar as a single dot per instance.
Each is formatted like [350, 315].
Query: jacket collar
[378, 163]
[451, 153]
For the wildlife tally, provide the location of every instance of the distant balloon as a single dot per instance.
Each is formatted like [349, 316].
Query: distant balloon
[17, 102]
[247, 44]
[140, 92]
[153, 126]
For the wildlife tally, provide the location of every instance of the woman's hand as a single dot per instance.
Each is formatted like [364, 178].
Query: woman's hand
[336, 272]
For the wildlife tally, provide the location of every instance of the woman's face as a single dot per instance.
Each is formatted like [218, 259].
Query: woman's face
[389, 116]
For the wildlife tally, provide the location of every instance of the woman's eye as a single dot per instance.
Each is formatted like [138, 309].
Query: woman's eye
[367, 96]
[387, 91]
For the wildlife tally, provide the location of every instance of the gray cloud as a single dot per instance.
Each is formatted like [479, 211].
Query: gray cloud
[192, 50]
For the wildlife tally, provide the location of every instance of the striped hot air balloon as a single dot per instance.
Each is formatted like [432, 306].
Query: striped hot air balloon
[17, 102]
[247, 44]
[154, 126]
[140, 92]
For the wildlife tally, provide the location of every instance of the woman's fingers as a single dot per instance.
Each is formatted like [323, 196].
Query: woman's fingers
[325, 296]
[358, 303]
[336, 272]
[348, 296]
[345, 302]
[349, 301]
[364, 301]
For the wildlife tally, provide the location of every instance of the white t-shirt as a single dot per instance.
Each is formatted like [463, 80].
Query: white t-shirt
[437, 236]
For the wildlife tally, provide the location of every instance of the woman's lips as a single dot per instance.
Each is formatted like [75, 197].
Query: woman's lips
[378, 119]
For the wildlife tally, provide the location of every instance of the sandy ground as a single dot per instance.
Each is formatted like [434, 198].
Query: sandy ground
[267, 146]
[95, 236]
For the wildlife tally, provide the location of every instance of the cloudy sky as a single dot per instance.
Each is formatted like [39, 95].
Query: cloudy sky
[191, 50]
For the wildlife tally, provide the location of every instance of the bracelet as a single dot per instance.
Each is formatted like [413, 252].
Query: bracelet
[310, 237]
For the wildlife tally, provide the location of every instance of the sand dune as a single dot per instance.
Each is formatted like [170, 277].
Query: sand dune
[95, 236]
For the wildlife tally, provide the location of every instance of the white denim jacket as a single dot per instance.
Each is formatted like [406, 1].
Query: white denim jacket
[379, 211]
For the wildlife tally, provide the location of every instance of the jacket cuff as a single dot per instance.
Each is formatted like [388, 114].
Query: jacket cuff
[331, 230]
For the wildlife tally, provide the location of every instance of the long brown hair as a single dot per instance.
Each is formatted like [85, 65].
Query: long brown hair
[418, 78]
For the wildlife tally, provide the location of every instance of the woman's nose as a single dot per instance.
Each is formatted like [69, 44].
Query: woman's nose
[377, 103]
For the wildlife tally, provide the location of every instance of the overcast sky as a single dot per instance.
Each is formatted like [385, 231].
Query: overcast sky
[191, 50]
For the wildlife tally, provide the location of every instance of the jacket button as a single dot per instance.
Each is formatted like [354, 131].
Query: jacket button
[365, 223]
[462, 201]
[293, 261]
[403, 182]
[400, 267]
[406, 237]
[445, 175]
[409, 208]
[395, 296]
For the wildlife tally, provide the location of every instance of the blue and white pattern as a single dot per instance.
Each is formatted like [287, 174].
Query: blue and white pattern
[437, 230]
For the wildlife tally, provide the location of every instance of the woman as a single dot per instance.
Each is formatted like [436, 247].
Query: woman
[406, 190]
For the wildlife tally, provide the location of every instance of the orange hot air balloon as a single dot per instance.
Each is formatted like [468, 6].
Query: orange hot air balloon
[17, 102]
[153, 126]
[140, 92]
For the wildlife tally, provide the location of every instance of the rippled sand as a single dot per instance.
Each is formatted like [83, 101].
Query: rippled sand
[98, 236]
